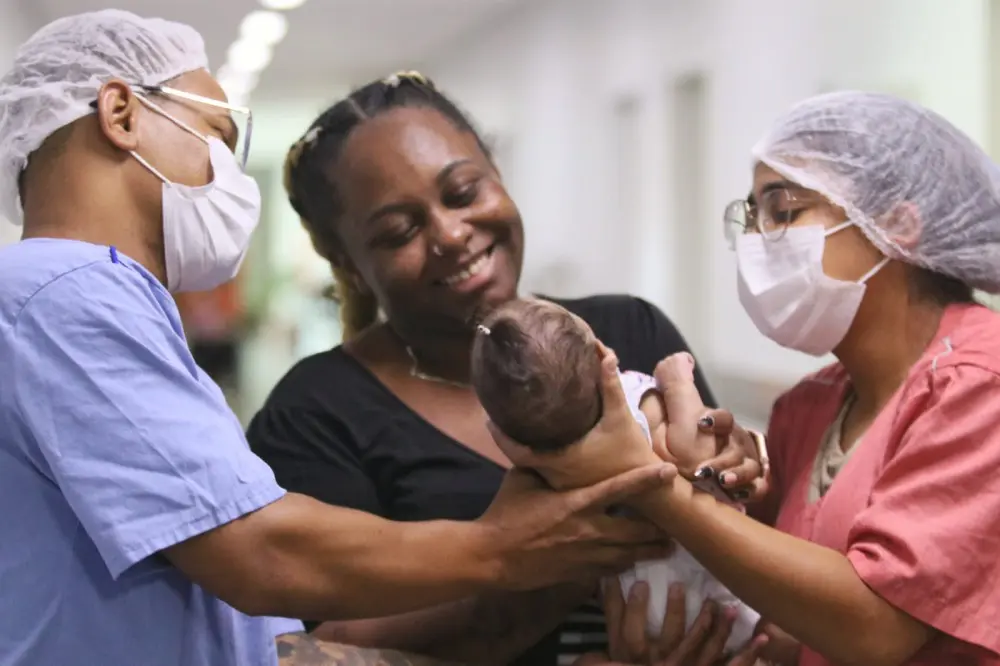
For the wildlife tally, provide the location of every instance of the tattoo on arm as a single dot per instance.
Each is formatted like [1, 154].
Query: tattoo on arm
[300, 649]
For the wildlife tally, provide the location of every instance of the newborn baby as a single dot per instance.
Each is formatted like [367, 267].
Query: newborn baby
[537, 371]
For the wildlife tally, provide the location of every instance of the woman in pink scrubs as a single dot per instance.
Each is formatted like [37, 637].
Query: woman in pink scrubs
[870, 222]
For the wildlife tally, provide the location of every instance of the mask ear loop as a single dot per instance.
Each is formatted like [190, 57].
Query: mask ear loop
[180, 123]
[879, 266]
[838, 227]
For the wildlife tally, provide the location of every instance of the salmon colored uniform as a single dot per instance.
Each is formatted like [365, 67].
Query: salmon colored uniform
[916, 508]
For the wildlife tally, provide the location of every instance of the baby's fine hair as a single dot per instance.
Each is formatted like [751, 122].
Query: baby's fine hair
[537, 371]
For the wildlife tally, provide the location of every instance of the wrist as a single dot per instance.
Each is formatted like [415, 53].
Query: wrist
[480, 556]
[664, 506]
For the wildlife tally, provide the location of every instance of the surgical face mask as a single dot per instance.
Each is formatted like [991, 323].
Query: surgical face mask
[790, 299]
[206, 229]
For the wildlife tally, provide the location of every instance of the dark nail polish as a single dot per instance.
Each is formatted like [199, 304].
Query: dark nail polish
[704, 473]
[741, 495]
[706, 421]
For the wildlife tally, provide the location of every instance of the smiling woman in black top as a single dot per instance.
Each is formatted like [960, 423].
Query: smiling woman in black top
[400, 194]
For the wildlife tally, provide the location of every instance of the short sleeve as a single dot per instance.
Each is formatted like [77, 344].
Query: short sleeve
[928, 541]
[140, 443]
[311, 453]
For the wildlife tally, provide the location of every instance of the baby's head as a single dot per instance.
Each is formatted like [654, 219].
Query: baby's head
[537, 370]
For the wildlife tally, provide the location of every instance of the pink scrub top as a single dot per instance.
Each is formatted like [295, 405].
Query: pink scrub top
[916, 508]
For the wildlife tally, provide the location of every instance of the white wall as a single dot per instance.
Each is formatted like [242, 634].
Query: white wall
[549, 78]
[14, 29]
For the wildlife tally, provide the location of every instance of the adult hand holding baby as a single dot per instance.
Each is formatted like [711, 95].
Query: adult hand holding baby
[545, 537]
[630, 644]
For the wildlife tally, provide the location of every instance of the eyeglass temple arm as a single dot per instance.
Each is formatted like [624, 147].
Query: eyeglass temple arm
[188, 96]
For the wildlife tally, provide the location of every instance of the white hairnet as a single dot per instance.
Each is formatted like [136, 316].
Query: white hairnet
[922, 191]
[58, 72]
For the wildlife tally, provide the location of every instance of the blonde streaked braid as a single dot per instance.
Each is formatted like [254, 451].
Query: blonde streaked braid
[358, 309]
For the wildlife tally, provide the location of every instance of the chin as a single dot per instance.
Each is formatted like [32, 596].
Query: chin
[491, 300]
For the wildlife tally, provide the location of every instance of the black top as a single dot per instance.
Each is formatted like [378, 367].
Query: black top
[333, 431]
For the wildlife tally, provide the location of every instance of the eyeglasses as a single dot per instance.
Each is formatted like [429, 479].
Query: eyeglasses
[770, 217]
[240, 115]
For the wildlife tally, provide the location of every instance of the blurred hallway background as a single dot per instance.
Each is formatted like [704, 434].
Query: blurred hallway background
[622, 128]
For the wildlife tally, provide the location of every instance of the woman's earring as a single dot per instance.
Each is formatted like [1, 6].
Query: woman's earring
[436, 249]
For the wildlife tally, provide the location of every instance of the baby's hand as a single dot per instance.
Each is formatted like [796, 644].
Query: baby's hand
[675, 375]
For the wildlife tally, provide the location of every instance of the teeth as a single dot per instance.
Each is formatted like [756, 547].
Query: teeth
[474, 269]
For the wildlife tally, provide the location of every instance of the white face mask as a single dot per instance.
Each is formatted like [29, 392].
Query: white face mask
[790, 299]
[206, 229]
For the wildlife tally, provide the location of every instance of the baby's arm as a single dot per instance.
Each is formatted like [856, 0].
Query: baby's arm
[655, 411]
[681, 407]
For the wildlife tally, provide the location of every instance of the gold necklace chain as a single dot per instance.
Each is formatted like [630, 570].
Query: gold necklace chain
[415, 372]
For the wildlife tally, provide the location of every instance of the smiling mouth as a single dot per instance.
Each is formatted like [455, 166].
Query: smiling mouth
[472, 270]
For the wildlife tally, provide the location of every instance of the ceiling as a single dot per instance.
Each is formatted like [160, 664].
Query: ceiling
[342, 41]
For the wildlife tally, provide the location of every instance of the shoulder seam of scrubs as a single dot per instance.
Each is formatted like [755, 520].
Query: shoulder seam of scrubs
[45, 286]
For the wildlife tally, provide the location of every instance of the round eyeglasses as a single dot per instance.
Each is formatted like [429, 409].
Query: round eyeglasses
[769, 217]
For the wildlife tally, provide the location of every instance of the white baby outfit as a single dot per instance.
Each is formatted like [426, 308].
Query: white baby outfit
[680, 567]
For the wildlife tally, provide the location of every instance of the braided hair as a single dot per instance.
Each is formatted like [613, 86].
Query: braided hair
[314, 195]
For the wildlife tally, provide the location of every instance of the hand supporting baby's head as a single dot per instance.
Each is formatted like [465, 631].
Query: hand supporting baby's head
[536, 368]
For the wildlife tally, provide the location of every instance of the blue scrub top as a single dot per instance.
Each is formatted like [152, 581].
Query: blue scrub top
[113, 446]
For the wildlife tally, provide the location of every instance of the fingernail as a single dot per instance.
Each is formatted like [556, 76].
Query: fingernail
[726, 478]
[706, 421]
[704, 473]
[741, 495]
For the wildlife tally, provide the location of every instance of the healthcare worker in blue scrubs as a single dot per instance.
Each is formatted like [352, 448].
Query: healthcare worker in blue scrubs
[137, 527]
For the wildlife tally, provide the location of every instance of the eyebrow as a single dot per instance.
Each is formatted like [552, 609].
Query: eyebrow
[448, 170]
[771, 187]
[777, 185]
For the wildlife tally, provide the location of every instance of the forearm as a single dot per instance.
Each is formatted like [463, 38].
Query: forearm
[810, 591]
[489, 629]
[305, 650]
[330, 563]
[301, 558]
